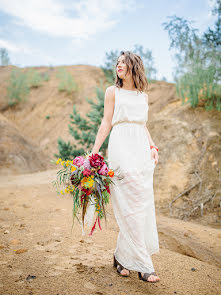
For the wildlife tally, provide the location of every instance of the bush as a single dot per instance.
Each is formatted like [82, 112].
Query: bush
[67, 82]
[34, 78]
[18, 87]
[198, 88]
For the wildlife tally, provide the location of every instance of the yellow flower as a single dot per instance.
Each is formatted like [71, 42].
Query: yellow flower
[58, 161]
[87, 182]
[61, 192]
[68, 163]
[73, 169]
[62, 163]
[66, 190]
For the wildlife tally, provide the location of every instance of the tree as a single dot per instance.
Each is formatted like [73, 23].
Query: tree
[198, 68]
[4, 57]
[84, 130]
[214, 36]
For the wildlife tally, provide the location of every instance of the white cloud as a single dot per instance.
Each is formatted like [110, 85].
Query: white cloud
[17, 48]
[79, 20]
[8, 45]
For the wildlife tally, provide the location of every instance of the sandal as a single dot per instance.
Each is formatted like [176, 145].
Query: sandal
[146, 276]
[119, 267]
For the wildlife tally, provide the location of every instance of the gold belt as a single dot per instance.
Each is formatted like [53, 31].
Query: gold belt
[127, 121]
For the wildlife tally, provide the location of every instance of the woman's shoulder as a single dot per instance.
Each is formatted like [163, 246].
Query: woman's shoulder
[111, 88]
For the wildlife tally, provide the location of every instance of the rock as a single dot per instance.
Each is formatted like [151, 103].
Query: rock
[6, 232]
[20, 251]
[29, 277]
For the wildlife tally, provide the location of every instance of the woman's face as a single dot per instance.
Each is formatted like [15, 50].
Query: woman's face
[121, 67]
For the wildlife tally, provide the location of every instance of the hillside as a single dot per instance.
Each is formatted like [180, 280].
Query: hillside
[36, 222]
[189, 139]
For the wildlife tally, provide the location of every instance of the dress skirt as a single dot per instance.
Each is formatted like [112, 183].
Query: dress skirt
[132, 197]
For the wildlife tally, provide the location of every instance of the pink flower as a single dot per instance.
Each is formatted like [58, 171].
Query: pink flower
[104, 170]
[87, 164]
[86, 172]
[79, 161]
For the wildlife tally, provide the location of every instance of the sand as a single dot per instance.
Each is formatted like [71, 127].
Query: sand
[40, 255]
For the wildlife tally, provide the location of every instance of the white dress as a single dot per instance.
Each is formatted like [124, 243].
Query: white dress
[133, 198]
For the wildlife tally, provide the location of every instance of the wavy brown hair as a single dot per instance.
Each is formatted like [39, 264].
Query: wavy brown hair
[136, 67]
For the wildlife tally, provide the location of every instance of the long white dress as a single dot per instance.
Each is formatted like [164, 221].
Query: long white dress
[133, 198]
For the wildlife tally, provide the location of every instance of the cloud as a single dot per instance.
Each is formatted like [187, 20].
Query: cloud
[58, 18]
[8, 45]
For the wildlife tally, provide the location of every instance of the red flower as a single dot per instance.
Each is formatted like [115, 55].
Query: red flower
[86, 172]
[87, 191]
[107, 188]
[96, 160]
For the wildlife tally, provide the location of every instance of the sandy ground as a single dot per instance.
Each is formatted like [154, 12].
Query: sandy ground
[40, 255]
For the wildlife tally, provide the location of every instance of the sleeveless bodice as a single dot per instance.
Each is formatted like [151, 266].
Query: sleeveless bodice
[130, 106]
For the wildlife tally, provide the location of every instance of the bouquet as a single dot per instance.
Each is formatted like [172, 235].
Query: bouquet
[87, 178]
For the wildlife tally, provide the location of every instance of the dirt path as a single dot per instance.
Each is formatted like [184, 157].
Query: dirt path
[37, 222]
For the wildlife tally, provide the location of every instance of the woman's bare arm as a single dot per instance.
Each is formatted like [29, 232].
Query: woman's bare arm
[105, 126]
[148, 133]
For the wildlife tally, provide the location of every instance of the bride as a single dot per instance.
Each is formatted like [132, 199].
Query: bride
[131, 147]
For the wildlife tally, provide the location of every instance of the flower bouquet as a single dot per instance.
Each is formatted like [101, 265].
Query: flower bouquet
[87, 178]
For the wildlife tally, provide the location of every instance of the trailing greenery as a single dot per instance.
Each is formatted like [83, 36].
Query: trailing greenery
[198, 70]
[84, 130]
[111, 59]
[18, 87]
[66, 81]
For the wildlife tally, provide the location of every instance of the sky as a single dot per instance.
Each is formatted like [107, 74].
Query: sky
[70, 32]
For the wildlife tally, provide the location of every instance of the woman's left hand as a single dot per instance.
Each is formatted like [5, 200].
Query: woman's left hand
[154, 155]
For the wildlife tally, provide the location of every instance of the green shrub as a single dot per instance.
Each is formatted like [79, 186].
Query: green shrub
[66, 82]
[18, 87]
[45, 76]
[199, 88]
[47, 117]
[34, 78]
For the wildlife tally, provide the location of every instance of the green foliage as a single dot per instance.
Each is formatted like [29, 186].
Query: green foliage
[211, 36]
[45, 76]
[18, 87]
[197, 88]
[67, 151]
[84, 130]
[47, 117]
[4, 57]
[34, 78]
[198, 70]
[66, 82]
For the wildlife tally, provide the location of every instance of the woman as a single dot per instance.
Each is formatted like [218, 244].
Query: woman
[131, 148]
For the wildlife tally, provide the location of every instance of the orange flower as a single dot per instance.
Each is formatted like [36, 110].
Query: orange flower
[111, 173]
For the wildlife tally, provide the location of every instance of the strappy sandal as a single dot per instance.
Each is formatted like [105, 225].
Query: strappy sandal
[146, 276]
[119, 267]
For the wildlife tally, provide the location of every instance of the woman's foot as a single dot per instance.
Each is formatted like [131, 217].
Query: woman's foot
[152, 278]
[124, 271]
[120, 269]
